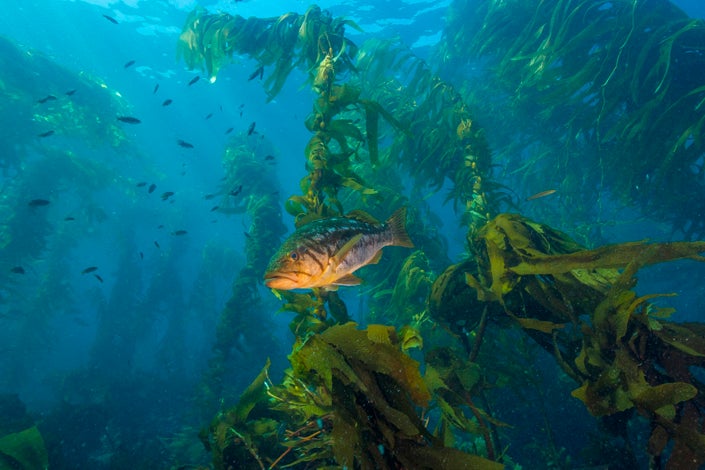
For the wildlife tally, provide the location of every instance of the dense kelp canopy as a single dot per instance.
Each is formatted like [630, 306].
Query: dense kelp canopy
[355, 398]
[607, 95]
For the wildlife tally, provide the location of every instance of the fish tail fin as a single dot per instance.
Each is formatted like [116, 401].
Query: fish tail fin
[396, 224]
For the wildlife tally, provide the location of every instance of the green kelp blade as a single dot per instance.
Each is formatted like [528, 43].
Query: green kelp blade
[249, 398]
[611, 256]
[23, 450]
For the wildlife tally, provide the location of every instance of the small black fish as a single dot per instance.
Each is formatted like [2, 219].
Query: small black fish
[89, 269]
[99, 278]
[215, 208]
[194, 80]
[161, 226]
[178, 233]
[141, 255]
[111, 19]
[69, 218]
[17, 270]
[156, 87]
[269, 158]
[128, 119]
[152, 187]
[47, 98]
[251, 129]
[167, 102]
[129, 64]
[184, 144]
[247, 235]
[45, 134]
[156, 244]
[208, 116]
[242, 105]
[236, 191]
[141, 184]
[167, 195]
[208, 197]
[259, 71]
[38, 202]
[230, 129]
[70, 92]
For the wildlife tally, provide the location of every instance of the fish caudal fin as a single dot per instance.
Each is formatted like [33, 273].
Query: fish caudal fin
[396, 224]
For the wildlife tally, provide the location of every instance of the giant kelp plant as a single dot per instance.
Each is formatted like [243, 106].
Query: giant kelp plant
[354, 398]
[608, 96]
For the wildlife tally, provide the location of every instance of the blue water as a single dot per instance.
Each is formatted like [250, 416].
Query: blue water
[96, 394]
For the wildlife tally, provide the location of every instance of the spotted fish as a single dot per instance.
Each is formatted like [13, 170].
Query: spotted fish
[325, 252]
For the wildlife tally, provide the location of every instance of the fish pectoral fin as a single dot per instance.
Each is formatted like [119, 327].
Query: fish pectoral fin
[345, 249]
[348, 280]
[375, 259]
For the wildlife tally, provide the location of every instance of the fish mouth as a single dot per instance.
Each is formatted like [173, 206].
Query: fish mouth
[271, 279]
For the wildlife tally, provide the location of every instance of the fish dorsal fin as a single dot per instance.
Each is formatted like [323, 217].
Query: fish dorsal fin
[340, 255]
[362, 216]
[348, 280]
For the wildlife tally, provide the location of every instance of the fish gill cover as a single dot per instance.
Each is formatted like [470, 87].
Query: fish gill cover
[566, 110]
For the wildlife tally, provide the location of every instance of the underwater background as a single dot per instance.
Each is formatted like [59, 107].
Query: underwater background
[155, 154]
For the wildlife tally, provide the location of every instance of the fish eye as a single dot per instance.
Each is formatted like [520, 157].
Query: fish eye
[294, 255]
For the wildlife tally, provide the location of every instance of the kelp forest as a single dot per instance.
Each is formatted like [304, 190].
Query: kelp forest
[540, 126]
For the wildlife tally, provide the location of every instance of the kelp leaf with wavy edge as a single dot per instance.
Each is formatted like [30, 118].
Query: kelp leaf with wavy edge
[611, 256]
[249, 398]
[23, 450]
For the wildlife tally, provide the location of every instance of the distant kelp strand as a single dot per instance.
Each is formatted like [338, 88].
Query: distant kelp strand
[42, 100]
[241, 327]
[619, 81]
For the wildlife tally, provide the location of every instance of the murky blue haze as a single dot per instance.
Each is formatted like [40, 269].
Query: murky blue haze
[122, 392]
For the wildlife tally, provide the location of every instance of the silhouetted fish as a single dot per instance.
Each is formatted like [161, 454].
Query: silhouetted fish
[47, 98]
[156, 87]
[194, 80]
[269, 158]
[541, 194]
[184, 144]
[236, 191]
[208, 197]
[46, 134]
[167, 102]
[208, 116]
[38, 202]
[111, 19]
[69, 218]
[99, 278]
[156, 244]
[167, 195]
[17, 270]
[129, 64]
[128, 119]
[141, 184]
[259, 71]
[89, 269]
[70, 92]
[141, 255]
[230, 129]
[152, 187]
[178, 233]
[251, 129]
[214, 208]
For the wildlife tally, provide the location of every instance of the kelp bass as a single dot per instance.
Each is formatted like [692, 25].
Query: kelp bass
[325, 252]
